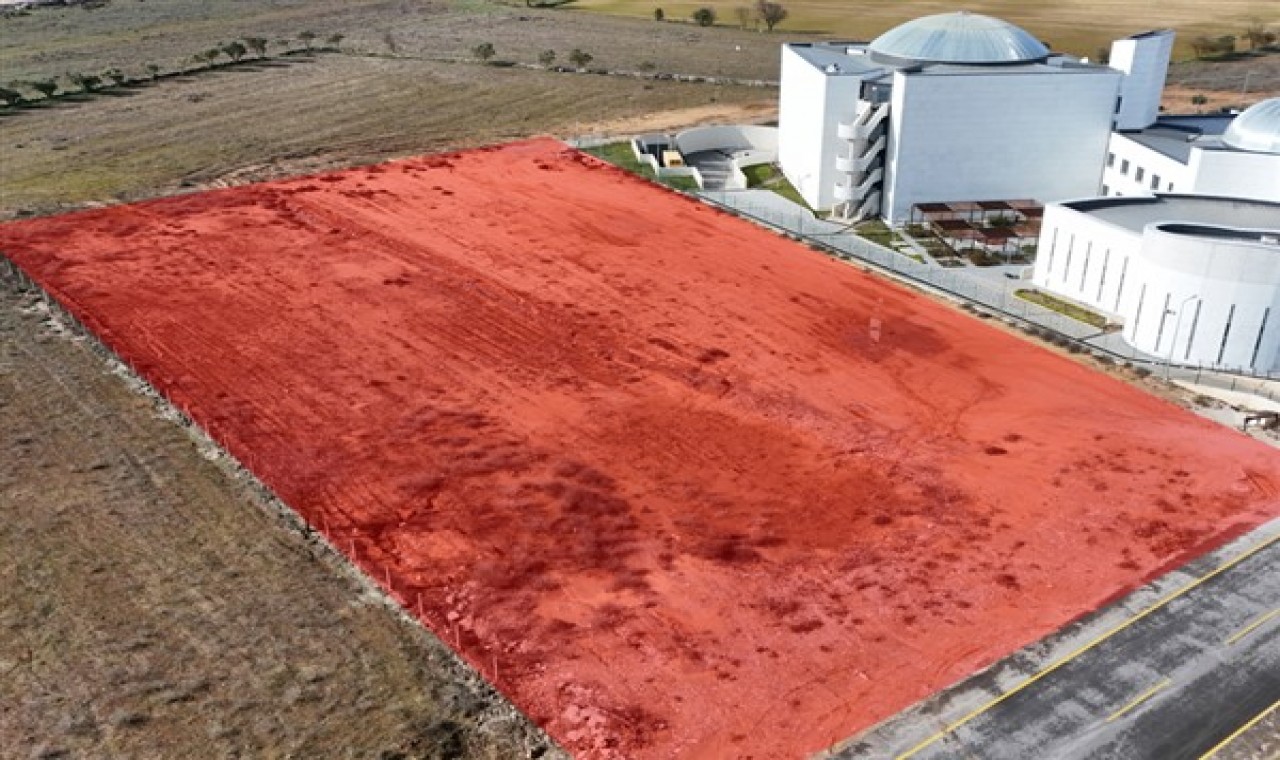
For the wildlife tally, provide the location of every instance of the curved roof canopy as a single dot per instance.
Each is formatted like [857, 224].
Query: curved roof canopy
[1257, 128]
[964, 38]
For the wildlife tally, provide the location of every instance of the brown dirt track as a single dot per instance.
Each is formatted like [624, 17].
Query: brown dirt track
[647, 466]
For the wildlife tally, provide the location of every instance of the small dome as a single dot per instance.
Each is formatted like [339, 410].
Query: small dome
[1257, 128]
[967, 38]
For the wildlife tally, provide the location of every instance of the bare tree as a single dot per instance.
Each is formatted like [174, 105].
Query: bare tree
[258, 45]
[547, 57]
[235, 51]
[484, 51]
[744, 16]
[770, 13]
[579, 58]
[46, 87]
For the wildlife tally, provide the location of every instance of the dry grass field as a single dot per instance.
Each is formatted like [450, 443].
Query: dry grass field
[1074, 26]
[149, 607]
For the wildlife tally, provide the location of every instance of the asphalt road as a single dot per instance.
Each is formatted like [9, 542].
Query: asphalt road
[1173, 677]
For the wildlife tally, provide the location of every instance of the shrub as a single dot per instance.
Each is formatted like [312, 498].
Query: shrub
[704, 16]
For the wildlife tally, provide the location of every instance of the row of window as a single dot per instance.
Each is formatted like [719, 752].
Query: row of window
[1138, 174]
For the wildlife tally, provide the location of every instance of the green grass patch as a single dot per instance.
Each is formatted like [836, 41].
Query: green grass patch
[1066, 308]
[622, 156]
[878, 232]
[770, 177]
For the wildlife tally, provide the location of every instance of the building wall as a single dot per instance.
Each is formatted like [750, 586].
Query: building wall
[997, 135]
[1218, 299]
[802, 116]
[1086, 260]
[1144, 59]
[1134, 169]
[1239, 174]
[810, 105]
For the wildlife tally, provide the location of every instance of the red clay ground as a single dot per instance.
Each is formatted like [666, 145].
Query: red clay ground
[647, 465]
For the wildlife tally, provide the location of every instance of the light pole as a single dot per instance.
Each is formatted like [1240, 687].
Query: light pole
[1177, 324]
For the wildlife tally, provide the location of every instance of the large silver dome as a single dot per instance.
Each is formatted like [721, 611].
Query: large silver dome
[1257, 128]
[966, 38]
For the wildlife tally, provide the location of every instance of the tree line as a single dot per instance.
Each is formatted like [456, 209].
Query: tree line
[222, 54]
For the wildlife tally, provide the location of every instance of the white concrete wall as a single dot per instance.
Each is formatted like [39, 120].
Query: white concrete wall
[1236, 173]
[1085, 260]
[810, 105]
[802, 118]
[1127, 160]
[1145, 62]
[1159, 283]
[729, 138]
[1193, 286]
[997, 135]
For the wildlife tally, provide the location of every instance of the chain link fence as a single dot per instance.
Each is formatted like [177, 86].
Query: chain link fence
[991, 295]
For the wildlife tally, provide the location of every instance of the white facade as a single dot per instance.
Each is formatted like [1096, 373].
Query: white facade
[1194, 279]
[1144, 60]
[997, 133]
[1187, 155]
[811, 105]
[956, 107]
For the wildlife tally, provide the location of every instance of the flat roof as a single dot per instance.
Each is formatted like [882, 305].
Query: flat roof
[1175, 136]
[1136, 212]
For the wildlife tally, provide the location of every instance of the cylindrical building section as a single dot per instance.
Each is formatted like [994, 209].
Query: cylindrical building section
[1210, 295]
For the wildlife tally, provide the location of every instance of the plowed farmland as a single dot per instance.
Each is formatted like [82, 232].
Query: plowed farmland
[677, 486]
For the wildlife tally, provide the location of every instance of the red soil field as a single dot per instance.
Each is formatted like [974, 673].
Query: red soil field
[680, 487]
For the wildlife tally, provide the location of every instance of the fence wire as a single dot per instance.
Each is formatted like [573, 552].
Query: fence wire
[836, 239]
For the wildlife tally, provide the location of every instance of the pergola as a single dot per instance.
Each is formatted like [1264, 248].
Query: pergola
[1002, 226]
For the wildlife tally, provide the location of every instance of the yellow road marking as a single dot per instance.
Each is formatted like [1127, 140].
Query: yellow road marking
[1256, 719]
[1086, 647]
[1250, 628]
[1143, 697]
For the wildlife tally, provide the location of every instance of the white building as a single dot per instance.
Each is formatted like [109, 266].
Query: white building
[955, 107]
[1194, 279]
[1215, 155]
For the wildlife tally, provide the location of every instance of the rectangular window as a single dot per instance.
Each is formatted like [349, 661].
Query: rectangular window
[1155, 181]
[1164, 317]
[1195, 322]
[1226, 333]
[1102, 279]
[1120, 288]
[1124, 167]
[1142, 296]
[1138, 174]
[1170, 188]
[1053, 248]
[1111, 160]
[1106, 190]
[1084, 270]
[1066, 267]
[1253, 360]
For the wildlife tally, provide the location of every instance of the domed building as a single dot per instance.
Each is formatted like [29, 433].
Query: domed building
[1214, 154]
[1188, 260]
[955, 107]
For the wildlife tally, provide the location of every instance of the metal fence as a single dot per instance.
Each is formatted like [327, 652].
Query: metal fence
[991, 295]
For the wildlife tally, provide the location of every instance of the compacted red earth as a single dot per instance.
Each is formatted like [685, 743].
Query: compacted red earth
[680, 487]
